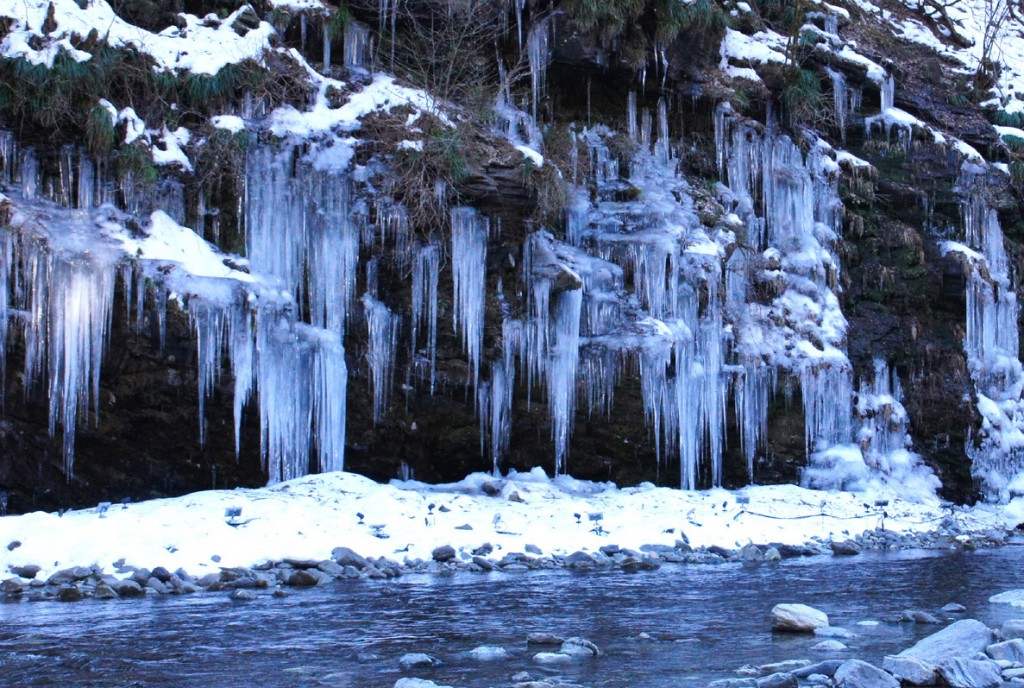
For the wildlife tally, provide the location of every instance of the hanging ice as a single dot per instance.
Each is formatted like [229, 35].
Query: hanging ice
[469, 273]
[382, 333]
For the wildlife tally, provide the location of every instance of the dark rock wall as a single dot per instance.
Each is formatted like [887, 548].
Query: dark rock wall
[903, 300]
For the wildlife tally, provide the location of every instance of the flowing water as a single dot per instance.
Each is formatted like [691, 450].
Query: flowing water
[707, 621]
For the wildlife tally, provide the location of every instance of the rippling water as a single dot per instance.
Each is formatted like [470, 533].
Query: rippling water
[707, 622]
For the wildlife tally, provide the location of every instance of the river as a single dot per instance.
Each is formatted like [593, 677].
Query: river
[706, 621]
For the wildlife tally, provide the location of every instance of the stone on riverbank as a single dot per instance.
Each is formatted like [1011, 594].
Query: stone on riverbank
[1012, 628]
[128, 588]
[346, 557]
[443, 553]
[911, 671]
[859, 674]
[960, 639]
[845, 548]
[970, 673]
[797, 618]
[1011, 650]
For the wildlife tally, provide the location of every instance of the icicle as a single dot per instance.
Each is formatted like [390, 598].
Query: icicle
[330, 388]
[631, 116]
[382, 343]
[469, 276]
[29, 174]
[327, 47]
[241, 349]
[888, 92]
[561, 371]
[208, 324]
[425, 273]
[663, 147]
[539, 55]
[494, 408]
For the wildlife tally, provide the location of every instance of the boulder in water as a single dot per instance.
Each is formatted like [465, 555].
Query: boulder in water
[579, 647]
[1014, 598]
[413, 660]
[797, 618]
[417, 683]
[544, 639]
[830, 646]
[488, 652]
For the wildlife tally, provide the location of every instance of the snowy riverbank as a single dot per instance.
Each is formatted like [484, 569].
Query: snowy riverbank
[305, 519]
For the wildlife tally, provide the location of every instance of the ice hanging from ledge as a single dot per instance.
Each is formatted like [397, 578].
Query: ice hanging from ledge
[59, 273]
[991, 341]
[469, 275]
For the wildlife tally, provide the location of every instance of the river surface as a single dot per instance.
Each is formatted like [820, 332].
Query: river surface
[707, 621]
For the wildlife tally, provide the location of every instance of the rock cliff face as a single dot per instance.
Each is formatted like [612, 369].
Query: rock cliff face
[697, 244]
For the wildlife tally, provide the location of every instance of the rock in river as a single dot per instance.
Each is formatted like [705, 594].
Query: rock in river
[797, 618]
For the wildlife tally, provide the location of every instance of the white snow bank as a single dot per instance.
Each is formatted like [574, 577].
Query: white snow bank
[306, 518]
[204, 46]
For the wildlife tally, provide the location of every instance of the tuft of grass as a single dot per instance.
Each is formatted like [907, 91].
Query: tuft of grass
[337, 20]
[803, 96]
[100, 134]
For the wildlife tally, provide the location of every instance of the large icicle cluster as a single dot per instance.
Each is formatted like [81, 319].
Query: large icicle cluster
[992, 339]
[60, 268]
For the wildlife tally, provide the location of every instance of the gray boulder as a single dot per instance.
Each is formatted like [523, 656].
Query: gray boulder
[845, 548]
[484, 563]
[71, 575]
[69, 593]
[301, 578]
[970, 673]
[104, 592]
[29, 571]
[14, 585]
[579, 560]
[911, 671]
[443, 553]
[1011, 650]
[544, 639]
[346, 557]
[734, 683]
[779, 680]
[331, 568]
[413, 660]
[857, 674]
[917, 616]
[960, 639]
[827, 668]
[1013, 598]
[797, 618]
[579, 647]
[128, 588]
[751, 554]
[1012, 628]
